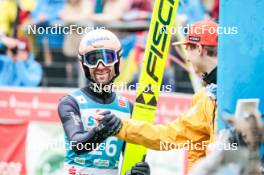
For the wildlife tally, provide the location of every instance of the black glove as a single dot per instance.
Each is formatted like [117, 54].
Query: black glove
[141, 168]
[110, 125]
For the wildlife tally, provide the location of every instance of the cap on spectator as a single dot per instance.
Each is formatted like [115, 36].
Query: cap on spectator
[202, 32]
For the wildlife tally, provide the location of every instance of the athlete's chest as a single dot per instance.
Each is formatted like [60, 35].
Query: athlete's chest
[89, 108]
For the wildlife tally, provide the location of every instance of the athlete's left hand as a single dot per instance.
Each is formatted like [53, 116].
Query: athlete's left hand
[109, 124]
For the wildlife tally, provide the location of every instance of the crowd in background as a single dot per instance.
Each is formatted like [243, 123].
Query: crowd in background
[51, 59]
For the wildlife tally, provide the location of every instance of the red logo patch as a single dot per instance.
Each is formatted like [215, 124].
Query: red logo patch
[121, 102]
[97, 111]
[72, 171]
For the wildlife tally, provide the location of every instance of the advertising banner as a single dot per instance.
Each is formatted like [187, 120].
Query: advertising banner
[12, 148]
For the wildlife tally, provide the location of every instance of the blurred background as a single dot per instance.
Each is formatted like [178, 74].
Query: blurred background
[52, 58]
[41, 67]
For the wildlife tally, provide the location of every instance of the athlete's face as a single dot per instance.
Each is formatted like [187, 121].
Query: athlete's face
[102, 74]
[195, 58]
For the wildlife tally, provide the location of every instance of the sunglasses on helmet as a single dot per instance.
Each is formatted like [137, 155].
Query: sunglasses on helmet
[106, 56]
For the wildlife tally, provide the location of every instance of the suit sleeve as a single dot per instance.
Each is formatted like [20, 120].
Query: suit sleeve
[73, 127]
[191, 127]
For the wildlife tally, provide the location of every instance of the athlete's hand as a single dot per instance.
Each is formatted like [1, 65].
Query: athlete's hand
[141, 168]
[109, 124]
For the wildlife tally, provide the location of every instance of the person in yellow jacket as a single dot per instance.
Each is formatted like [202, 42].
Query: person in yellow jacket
[196, 128]
[8, 13]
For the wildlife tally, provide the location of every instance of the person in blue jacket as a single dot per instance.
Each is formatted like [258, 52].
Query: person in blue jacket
[17, 64]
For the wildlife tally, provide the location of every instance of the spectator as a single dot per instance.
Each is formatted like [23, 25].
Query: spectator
[43, 15]
[193, 10]
[6, 67]
[13, 15]
[212, 7]
[49, 44]
[17, 65]
[127, 10]
[74, 11]
[138, 10]
[8, 16]
[142, 5]
[46, 11]
[109, 10]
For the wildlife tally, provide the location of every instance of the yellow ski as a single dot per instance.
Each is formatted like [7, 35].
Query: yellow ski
[155, 56]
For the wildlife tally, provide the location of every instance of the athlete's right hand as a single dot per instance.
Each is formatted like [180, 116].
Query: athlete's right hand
[109, 124]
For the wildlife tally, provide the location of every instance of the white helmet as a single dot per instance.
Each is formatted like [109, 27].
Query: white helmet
[96, 41]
